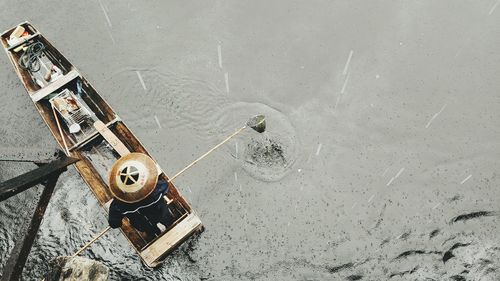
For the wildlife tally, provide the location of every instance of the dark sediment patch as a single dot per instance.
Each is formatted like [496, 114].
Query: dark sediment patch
[190, 247]
[354, 277]
[490, 270]
[282, 268]
[455, 198]
[405, 235]
[380, 217]
[65, 214]
[338, 268]
[434, 233]
[473, 215]
[485, 262]
[458, 278]
[417, 252]
[449, 254]
[385, 241]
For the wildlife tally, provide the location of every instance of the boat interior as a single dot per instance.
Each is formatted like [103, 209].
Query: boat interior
[86, 126]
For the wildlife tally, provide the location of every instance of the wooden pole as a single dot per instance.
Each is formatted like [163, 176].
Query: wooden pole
[91, 241]
[171, 179]
[60, 130]
[208, 152]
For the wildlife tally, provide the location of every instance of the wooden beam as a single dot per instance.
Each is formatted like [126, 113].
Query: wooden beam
[52, 87]
[14, 266]
[25, 39]
[93, 135]
[20, 183]
[111, 138]
[171, 239]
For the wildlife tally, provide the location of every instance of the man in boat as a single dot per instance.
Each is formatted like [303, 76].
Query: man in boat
[138, 194]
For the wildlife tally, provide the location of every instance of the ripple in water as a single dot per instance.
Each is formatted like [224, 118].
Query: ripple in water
[185, 103]
[268, 156]
[178, 102]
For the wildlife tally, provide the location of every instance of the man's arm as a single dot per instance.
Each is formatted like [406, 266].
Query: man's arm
[115, 216]
[162, 186]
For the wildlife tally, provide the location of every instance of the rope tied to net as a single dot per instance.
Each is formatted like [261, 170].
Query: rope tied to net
[29, 59]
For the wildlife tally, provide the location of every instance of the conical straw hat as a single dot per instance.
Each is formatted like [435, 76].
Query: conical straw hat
[133, 177]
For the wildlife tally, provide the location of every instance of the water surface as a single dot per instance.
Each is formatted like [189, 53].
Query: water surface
[380, 159]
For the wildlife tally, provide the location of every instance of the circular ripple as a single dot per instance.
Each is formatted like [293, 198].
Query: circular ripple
[268, 156]
[179, 102]
[183, 103]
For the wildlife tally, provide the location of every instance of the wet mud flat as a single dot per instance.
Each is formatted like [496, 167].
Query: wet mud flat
[379, 162]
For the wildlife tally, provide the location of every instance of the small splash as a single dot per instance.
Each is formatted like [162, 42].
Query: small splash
[267, 152]
[267, 158]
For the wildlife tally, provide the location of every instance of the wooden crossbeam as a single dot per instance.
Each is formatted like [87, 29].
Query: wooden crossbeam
[20, 183]
[54, 86]
[15, 264]
[170, 239]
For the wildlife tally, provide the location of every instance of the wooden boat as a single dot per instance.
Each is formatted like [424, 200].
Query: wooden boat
[99, 139]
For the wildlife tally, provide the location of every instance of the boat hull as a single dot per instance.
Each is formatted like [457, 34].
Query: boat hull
[104, 140]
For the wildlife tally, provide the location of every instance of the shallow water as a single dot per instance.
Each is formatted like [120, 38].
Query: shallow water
[379, 161]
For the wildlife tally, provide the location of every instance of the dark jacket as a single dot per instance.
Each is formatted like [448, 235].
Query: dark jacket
[143, 214]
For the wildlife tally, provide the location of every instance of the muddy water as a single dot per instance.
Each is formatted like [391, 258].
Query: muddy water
[380, 159]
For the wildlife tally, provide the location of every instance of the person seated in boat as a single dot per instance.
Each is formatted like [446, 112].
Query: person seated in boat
[138, 195]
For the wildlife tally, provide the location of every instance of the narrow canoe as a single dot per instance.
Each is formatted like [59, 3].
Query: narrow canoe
[99, 139]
